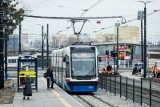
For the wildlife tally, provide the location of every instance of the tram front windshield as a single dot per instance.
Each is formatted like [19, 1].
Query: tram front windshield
[83, 62]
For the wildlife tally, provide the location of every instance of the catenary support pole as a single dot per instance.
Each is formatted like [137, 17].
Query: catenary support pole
[142, 40]
[20, 36]
[145, 43]
[47, 45]
[1, 49]
[42, 48]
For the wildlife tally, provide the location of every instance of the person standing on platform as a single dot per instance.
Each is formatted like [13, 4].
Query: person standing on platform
[50, 78]
[27, 89]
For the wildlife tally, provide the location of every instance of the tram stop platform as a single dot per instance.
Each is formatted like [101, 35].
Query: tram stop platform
[137, 76]
[44, 98]
[130, 75]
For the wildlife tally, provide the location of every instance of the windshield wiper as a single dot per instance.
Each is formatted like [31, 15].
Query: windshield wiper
[90, 72]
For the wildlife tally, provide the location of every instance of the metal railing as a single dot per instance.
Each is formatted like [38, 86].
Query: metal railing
[141, 91]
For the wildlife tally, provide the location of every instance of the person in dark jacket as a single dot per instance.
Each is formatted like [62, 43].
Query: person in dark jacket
[50, 77]
[27, 91]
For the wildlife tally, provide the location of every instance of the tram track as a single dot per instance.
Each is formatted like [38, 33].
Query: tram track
[111, 105]
[94, 101]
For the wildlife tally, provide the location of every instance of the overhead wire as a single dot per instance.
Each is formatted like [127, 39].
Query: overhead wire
[128, 21]
[85, 11]
[61, 6]
[34, 23]
[36, 4]
[58, 5]
[97, 17]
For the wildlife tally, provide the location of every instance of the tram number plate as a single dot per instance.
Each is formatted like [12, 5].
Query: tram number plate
[90, 87]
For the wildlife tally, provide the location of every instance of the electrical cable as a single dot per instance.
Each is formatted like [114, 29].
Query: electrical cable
[86, 10]
[61, 6]
[36, 4]
[155, 11]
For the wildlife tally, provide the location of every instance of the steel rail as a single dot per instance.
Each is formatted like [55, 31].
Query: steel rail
[92, 105]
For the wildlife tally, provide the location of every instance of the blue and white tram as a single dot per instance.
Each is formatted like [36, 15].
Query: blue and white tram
[75, 68]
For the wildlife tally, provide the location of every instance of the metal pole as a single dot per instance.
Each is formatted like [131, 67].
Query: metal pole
[120, 85]
[42, 48]
[14, 46]
[47, 45]
[110, 83]
[20, 36]
[117, 24]
[133, 89]
[142, 40]
[115, 84]
[145, 33]
[145, 46]
[78, 39]
[117, 45]
[1, 50]
[150, 91]
[114, 66]
[103, 82]
[6, 76]
[126, 88]
[1, 59]
[141, 91]
[106, 83]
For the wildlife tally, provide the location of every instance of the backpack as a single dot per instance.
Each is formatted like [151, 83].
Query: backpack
[45, 75]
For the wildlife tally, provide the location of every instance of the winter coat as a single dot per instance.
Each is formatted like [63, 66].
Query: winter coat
[50, 73]
[28, 89]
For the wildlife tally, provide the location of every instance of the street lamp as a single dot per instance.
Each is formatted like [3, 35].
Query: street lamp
[141, 17]
[145, 42]
[117, 25]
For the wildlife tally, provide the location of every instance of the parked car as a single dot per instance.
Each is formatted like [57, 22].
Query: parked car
[156, 69]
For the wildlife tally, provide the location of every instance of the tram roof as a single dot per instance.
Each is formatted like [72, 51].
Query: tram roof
[99, 44]
[77, 45]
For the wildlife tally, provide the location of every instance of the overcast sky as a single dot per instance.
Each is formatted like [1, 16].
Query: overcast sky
[75, 8]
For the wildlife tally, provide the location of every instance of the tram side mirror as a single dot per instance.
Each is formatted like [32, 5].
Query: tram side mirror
[64, 59]
[99, 59]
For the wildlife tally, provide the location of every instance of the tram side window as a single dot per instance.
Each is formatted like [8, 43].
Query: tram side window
[66, 60]
[67, 70]
[12, 61]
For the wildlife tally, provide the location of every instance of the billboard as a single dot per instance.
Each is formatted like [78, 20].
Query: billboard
[128, 34]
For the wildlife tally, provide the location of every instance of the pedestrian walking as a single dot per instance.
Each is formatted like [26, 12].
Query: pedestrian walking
[27, 89]
[49, 73]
